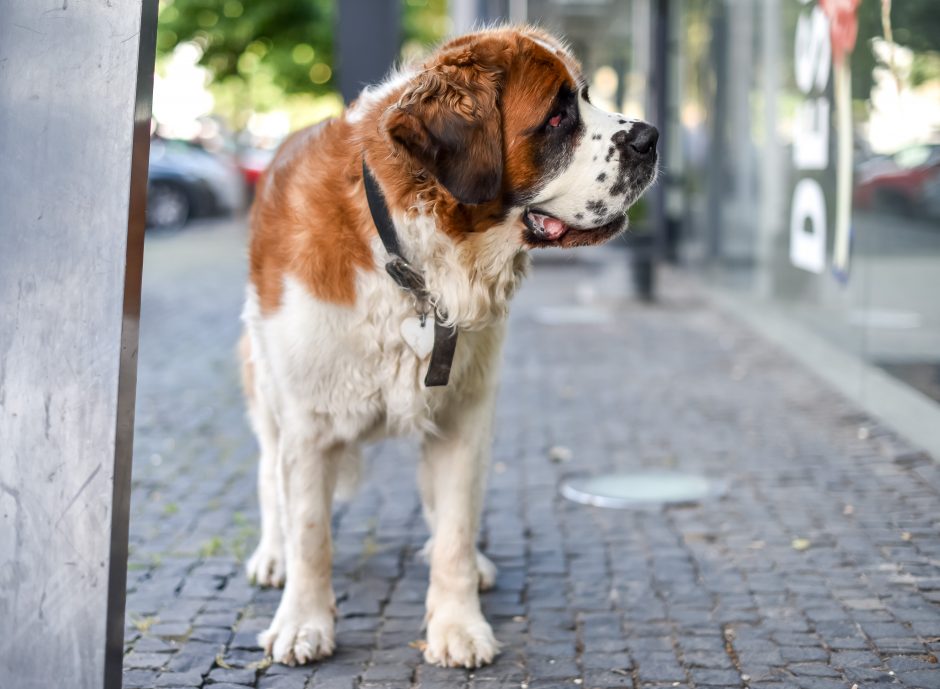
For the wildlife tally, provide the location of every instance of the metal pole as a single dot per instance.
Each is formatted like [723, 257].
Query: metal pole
[75, 90]
[369, 41]
[648, 246]
[716, 182]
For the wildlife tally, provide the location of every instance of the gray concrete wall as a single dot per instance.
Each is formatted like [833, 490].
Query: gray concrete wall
[75, 84]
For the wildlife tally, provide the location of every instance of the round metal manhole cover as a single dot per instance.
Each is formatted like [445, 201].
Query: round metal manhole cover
[645, 489]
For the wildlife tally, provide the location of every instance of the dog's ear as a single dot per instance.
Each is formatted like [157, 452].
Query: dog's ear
[450, 123]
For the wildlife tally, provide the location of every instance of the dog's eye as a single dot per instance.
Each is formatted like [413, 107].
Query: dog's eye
[556, 119]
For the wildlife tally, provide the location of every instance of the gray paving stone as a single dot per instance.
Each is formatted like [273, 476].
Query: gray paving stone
[138, 679]
[804, 654]
[660, 670]
[809, 682]
[388, 672]
[715, 677]
[335, 683]
[221, 675]
[282, 682]
[606, 680]
[921, 678]
[170, 630]
[812, 670]
[910, 663]
[549, 668]
[855, 659]
[145, 661]
[178, 679]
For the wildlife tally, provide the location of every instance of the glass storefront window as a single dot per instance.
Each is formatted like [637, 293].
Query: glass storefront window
[805, 140]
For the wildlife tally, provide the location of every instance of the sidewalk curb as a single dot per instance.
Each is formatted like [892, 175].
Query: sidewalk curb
[911, 413]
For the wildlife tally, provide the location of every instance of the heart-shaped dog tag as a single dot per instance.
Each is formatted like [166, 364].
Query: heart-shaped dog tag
[419, 336]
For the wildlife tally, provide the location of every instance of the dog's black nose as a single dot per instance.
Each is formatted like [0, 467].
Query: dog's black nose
[642, 137]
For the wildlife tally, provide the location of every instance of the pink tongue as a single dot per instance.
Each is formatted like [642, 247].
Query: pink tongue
[553, 227]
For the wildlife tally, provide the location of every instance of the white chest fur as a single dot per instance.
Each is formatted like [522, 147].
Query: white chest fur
[357, 370]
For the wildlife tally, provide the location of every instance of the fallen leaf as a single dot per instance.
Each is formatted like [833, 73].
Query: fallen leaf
[262, 664]
[559, 453]
[800, 544]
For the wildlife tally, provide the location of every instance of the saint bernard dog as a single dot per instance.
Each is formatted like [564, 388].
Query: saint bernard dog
[486, 150]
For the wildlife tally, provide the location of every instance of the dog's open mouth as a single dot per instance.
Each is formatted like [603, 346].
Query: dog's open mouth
[545, 226]
[543, 229]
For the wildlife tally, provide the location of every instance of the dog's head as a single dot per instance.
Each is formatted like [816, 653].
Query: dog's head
[502, 119]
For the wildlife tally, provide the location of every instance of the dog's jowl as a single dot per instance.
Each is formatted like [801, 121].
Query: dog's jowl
[386, 245]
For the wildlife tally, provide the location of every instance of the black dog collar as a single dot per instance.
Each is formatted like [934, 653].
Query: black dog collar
[412, 281]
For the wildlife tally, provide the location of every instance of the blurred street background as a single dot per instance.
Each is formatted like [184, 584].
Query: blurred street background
[770, 322]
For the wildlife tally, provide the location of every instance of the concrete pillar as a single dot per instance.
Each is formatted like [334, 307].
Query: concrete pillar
[75, 89]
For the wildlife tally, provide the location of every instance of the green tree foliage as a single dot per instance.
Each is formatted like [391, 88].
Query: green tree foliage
[424, 22]
[290, 39]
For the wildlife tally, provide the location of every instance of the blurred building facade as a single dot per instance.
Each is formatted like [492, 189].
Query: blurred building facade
[801, 153]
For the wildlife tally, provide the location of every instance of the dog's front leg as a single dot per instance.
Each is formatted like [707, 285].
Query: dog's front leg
[302, 629]
[456, 460]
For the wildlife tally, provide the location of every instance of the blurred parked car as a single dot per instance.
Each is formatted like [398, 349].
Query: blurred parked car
[903, 183]
[186, 182]
[254, 161]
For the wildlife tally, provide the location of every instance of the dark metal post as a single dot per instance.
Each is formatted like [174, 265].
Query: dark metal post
[717, 181]
[369, 41]
[75, 90]
[650, 245]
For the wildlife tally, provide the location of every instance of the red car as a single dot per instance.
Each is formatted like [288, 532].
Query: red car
[902, 183]
[252, 162]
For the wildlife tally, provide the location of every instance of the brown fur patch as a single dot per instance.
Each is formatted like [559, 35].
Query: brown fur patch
[309, 220]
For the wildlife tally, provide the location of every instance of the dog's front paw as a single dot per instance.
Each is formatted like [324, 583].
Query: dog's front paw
[295, 639]
[458, 637]
[266, 566]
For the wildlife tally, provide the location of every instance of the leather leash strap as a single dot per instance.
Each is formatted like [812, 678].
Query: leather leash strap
[412, 281]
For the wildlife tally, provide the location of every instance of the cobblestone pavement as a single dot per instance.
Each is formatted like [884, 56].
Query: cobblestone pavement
[820, 569]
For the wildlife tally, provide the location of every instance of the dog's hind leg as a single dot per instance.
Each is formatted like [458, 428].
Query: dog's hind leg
[303, 627]
[266, 565]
